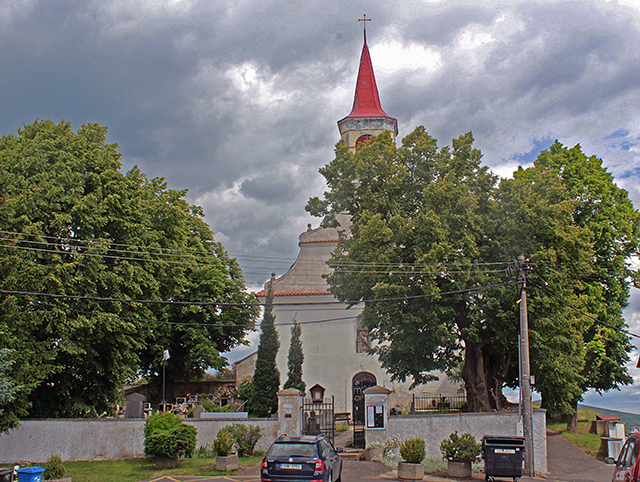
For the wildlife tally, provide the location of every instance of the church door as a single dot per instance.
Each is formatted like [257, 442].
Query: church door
[361, 381]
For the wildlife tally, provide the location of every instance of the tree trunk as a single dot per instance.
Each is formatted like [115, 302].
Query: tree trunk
[572, 419]
[483, 380]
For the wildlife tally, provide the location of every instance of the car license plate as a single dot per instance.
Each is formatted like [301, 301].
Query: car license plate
[291, 466]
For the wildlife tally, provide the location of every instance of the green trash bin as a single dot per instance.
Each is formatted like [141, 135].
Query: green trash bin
[30, 474]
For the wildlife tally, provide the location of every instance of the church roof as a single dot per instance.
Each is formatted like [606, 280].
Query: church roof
[366, 102]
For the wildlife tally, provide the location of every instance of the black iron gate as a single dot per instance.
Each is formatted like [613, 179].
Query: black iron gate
[318, 418]
[361, 381]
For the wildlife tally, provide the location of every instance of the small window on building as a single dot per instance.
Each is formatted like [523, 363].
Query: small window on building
[363, 342]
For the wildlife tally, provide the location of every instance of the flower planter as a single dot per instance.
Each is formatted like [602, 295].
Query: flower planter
[227, 462]
[459, 469]
[407, 471]
[164, 462]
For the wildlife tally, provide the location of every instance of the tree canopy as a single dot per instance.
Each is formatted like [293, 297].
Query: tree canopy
[431, 248]
[81, 241]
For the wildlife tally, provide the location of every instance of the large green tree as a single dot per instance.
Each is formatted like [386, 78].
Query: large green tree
[266, 377]
[77, 229]
[431, 245]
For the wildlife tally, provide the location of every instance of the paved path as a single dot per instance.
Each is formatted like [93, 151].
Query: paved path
[205, 478]
[568, 463]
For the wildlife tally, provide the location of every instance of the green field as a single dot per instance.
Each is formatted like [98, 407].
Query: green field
[629, 419]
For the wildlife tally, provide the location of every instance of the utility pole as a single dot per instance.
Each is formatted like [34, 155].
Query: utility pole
[525, 370]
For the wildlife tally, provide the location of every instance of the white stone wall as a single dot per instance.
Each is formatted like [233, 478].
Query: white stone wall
[82, 439]
[435, 428]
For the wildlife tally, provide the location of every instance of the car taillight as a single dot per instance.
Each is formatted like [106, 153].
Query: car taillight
[264, 465]
[319, 466]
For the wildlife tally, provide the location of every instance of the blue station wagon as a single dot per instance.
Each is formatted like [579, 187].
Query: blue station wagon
[305, 458]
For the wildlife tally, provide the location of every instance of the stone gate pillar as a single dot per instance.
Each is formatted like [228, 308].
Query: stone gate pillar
[290, 412]
[376, 413]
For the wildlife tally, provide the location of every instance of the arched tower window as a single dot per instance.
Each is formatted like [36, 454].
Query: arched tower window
[362, 138]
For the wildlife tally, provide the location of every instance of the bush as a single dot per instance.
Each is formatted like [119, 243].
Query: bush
[412, 450]
[53, 469]
[223, 444]
[246, 437]
[166, 434]
[460, 448]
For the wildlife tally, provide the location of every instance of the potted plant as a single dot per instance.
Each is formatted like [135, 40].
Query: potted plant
[223, 445]
[412, 452]
[167, 437]
[460, 451]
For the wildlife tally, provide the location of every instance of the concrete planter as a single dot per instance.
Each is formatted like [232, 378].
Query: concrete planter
[407, 471]
[459, 469]
[164, 462]
[227, 462]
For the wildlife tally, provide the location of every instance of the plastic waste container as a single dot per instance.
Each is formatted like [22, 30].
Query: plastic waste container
[503, 456]
[5, 474]
[30, 474]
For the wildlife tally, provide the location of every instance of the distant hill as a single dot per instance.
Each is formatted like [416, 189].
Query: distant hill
[629, 419]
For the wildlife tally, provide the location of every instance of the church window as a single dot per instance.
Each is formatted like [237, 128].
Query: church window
[362, 138]
[363, 342]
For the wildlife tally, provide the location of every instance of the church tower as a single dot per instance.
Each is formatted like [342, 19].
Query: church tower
[335, 343]
[367, 118]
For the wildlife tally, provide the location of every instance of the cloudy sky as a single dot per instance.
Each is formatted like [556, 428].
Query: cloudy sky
[237, 101]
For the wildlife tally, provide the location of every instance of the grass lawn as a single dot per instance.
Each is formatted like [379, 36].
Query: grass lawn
[589, 442]
[136, 470]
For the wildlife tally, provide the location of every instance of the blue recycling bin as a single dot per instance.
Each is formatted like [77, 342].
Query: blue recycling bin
[30, 474]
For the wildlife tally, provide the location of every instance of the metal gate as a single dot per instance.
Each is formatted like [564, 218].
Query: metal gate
[318, 418]
[361, 381]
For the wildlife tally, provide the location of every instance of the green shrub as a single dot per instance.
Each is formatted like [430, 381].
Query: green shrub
[412, 450]
[460, 448]
[246, 437]
[223, 444]
[166, 434]
[53, 468]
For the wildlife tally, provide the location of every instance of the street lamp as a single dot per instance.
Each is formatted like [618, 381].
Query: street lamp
[165, 357]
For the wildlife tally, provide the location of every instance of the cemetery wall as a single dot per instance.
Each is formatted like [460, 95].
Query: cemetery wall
[102, 439]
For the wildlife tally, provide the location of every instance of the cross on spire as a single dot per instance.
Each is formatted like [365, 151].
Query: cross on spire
[364, 24]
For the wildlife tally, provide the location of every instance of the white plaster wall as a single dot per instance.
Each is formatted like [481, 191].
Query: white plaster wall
[330, 350]
[435, 428]
[35, 440]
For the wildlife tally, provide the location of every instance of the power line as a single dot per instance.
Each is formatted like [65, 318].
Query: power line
[578, 310]
[220, 303]
[179, 323]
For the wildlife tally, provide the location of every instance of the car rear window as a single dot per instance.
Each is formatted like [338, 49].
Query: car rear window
[293, 450]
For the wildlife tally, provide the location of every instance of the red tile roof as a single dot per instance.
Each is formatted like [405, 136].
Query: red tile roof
[263, 293]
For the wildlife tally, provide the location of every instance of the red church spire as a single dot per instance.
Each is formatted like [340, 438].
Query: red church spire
[367, 118]
[366, 102]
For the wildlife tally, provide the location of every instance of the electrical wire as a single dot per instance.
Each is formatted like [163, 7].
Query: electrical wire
[219, 303]
[578, 310]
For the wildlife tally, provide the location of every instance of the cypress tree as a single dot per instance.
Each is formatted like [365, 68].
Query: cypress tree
[295, 359]
[266, 378]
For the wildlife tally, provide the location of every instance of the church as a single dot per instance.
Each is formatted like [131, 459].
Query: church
[335, 344]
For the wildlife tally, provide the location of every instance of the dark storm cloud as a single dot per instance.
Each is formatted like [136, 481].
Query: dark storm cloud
[238, 101]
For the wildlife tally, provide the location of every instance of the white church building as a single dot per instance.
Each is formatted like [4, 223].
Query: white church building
[334, 342]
